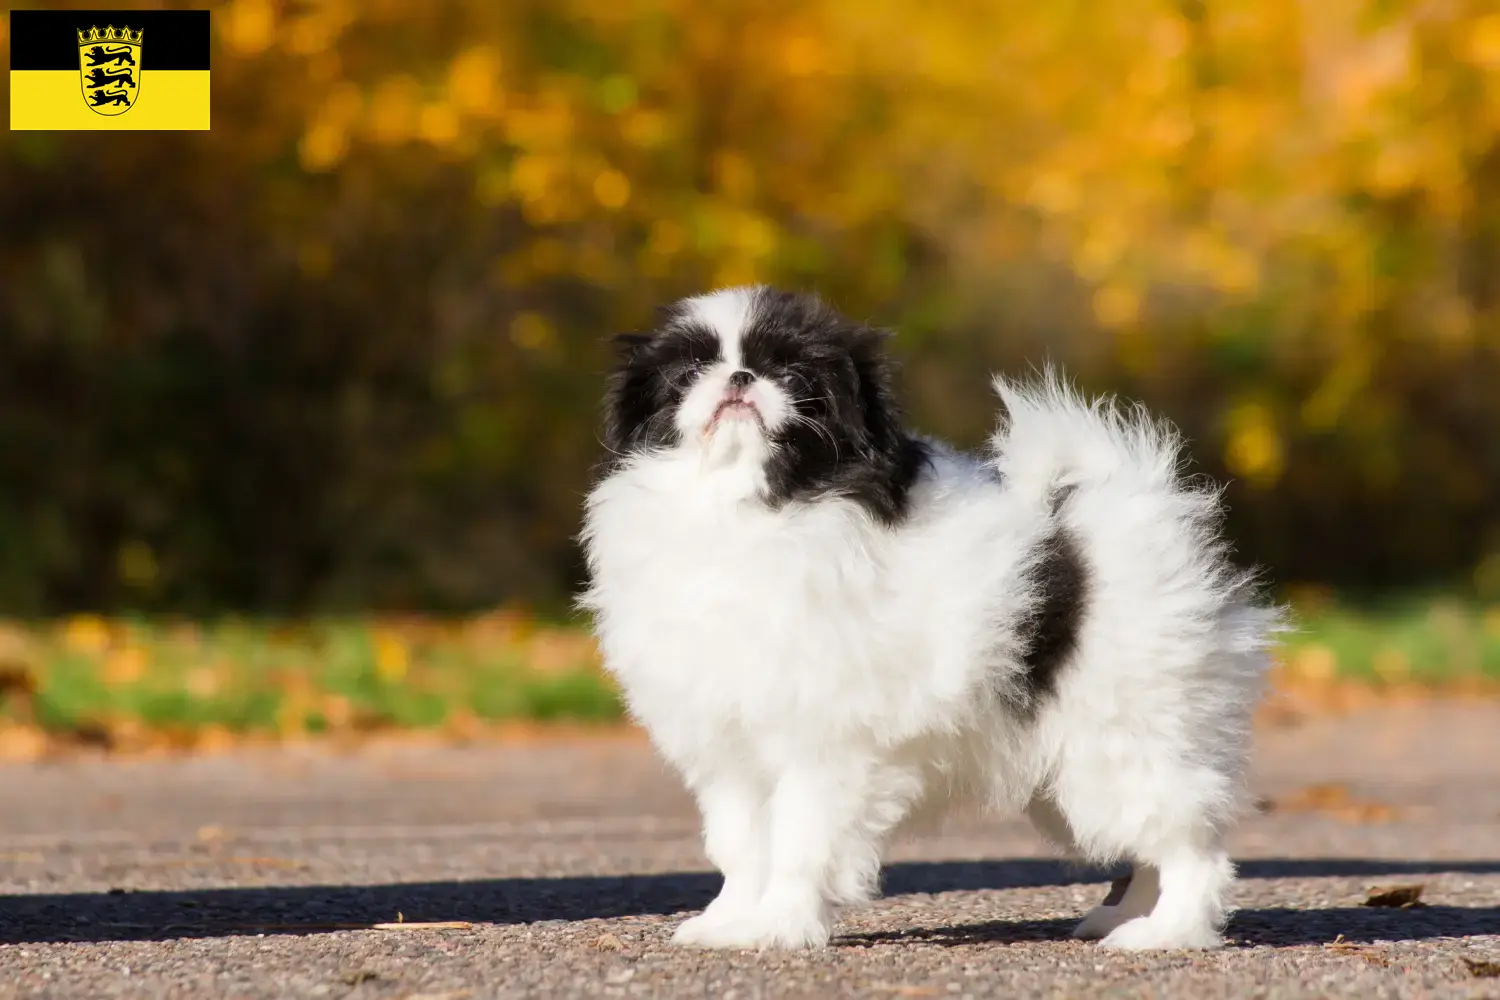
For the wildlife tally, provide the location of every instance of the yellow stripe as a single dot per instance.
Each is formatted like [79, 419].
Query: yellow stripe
[171, 100]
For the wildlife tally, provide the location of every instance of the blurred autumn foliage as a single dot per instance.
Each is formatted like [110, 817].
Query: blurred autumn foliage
[345, 348]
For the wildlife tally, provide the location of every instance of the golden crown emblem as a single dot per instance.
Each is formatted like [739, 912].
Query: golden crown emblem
[109, 34]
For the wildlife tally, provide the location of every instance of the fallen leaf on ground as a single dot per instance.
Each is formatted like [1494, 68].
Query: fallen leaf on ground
[1481, 969]
[1404, 897]
[1357, 949]
[608, 942]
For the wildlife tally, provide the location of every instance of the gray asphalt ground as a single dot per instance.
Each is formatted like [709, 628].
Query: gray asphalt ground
[259, 873]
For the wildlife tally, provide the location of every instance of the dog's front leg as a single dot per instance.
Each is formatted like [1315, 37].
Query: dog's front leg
[790, 856]
[814, 812]
[736, 835]
[811, 812]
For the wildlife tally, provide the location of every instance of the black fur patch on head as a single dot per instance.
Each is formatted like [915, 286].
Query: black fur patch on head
[1060, 581]
[847, 439]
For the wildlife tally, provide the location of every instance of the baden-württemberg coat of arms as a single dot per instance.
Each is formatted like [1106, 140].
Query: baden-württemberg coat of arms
[109, 62]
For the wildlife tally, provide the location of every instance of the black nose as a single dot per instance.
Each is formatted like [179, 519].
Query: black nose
[741, 378]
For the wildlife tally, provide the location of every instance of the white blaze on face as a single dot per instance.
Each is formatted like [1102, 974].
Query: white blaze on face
[727, 434]
[727, 313]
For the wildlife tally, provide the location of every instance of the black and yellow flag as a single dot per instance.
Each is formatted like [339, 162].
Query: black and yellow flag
[109, 69]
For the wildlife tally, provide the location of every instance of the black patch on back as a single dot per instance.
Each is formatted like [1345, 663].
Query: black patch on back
[1060, 580]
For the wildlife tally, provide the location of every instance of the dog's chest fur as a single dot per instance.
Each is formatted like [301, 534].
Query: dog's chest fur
[730, 609]
[720, 615]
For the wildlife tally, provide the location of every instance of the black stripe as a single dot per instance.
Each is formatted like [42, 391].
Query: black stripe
[48, 39]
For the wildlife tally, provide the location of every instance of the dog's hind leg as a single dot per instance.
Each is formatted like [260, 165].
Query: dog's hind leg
[1190, 909]
[1136, 898]
[1133, 899]
[893, 791]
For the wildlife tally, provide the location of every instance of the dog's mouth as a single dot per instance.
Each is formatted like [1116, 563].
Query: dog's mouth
[735, 408]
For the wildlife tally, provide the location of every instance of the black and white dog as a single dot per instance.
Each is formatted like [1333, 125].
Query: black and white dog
[835, 629]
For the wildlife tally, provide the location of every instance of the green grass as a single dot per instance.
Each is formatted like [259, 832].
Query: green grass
[87, 675]
[114, 680]
[1425, 640]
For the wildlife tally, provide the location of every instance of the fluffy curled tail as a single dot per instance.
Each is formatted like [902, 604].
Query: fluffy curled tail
[1051, 437]
[1128, 497]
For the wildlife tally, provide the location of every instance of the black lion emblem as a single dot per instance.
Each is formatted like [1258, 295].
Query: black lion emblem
[100, 98]
[99, 56]
[99, 78]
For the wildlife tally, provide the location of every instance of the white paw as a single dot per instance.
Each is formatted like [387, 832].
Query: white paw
[1144, 933]
[792, 929]
[706, 930]
[755, 930]
[1098, 922]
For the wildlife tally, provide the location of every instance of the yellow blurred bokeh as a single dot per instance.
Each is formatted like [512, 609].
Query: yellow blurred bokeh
[392, 265]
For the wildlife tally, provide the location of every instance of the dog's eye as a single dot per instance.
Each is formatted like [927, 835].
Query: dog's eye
[682, 370]
[793, 376]
[687, 366]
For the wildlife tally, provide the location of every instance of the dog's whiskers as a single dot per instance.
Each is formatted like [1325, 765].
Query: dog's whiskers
[823, 432]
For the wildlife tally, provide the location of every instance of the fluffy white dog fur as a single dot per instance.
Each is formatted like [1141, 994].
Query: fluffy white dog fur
[825, 673]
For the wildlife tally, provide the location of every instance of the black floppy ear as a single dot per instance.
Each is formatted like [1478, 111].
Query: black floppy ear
[866, 346]
[877, 394]
[869, 341]
[627, 344]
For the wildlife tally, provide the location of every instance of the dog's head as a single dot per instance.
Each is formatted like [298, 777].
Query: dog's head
[771, 381]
